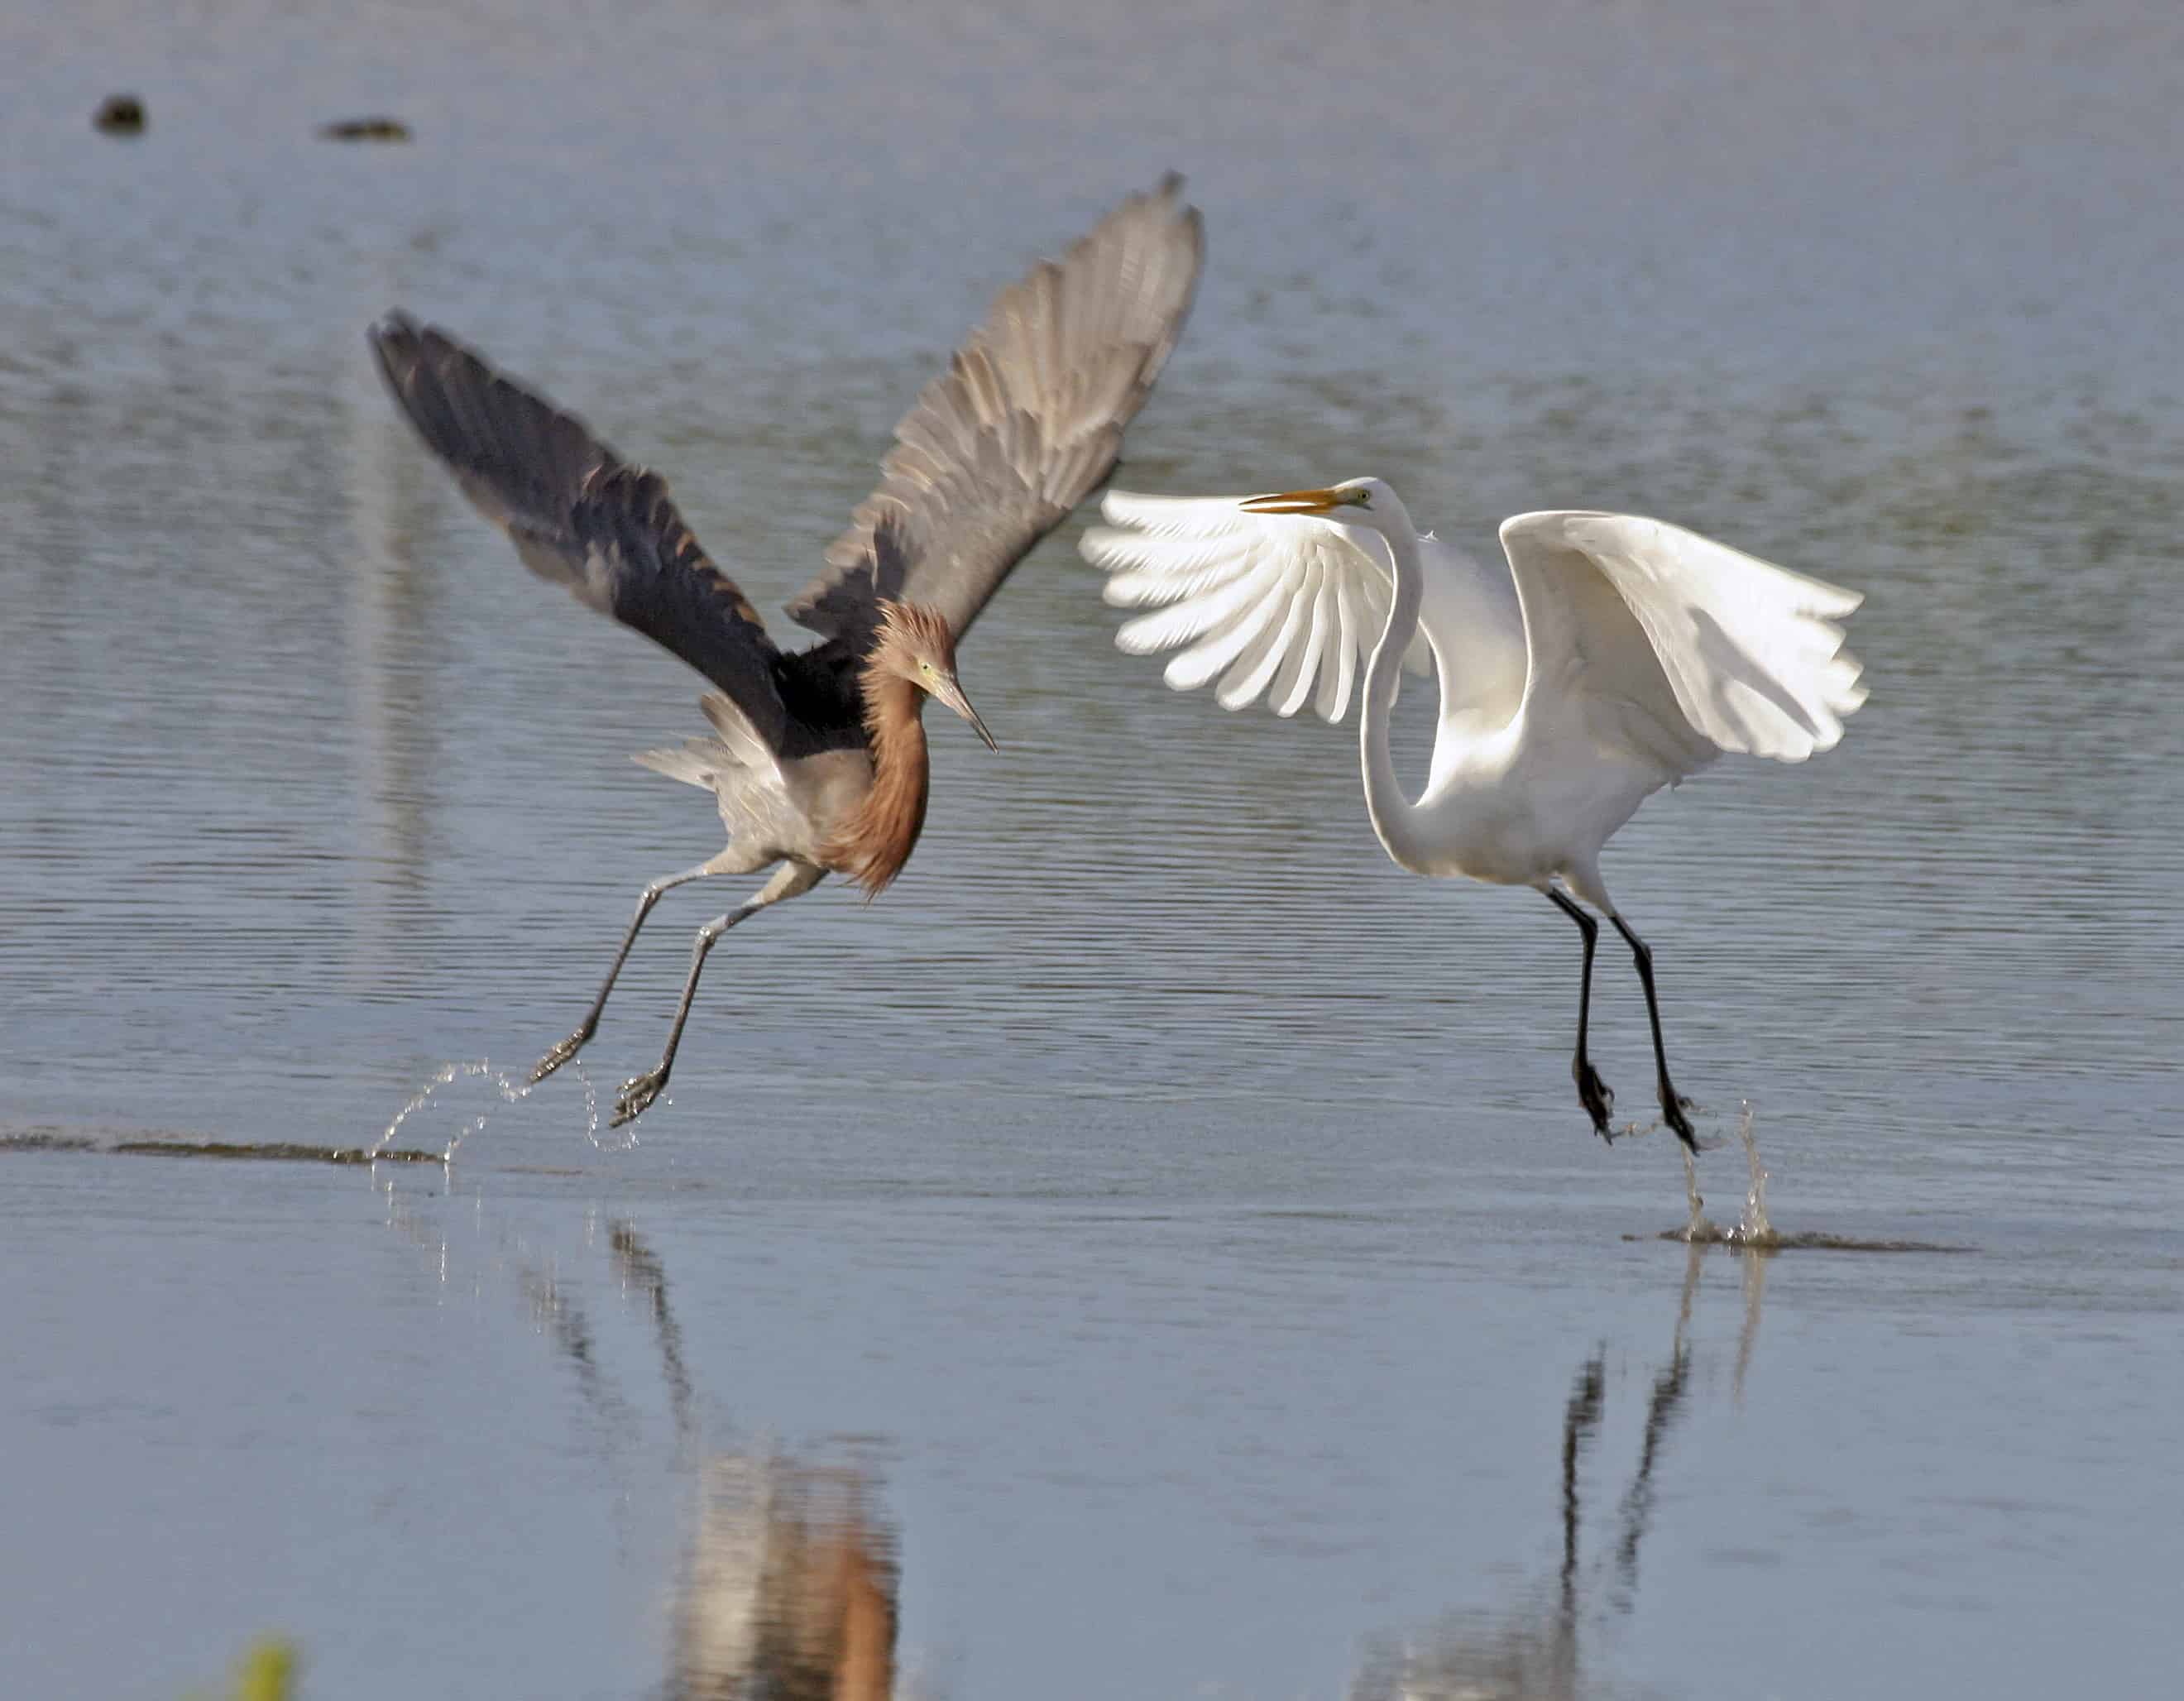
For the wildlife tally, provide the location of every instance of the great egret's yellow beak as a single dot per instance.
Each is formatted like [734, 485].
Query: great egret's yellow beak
[1307, 501]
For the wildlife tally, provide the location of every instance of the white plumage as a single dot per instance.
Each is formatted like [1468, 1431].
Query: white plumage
[1615, 655]
[1258, 602]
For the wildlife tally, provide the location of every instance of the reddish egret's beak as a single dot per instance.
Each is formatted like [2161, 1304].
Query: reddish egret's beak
[949, 692]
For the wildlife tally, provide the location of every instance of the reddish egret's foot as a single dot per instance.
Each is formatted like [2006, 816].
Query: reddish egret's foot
[636, 1094]
[559, 1054]
[1674, 1108]
[1597, 1097]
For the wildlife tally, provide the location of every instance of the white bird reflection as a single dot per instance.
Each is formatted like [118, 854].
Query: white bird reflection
[1534, 1650]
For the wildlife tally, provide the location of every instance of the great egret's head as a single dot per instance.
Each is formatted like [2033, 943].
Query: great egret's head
[1355, 501]
[916, 643]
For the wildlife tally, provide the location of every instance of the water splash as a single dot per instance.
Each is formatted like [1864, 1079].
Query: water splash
[512, 1091]
[1695, 1226]
[443, 1076]
[1634, 1130]
[1754, 1230]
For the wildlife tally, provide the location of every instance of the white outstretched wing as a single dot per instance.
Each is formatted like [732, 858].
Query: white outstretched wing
[1675, 634]
[1266, 604]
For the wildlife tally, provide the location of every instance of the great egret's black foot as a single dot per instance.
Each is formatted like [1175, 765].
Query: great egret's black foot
[559, 1054]
[1597, 1097]
[1675, 1110]
[636, 1094]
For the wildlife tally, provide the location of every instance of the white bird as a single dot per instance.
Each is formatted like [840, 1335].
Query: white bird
[1616, 655]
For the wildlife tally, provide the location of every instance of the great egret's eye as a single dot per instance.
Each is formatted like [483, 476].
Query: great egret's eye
[1364, 498]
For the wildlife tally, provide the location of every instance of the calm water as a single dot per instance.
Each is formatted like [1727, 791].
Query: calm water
[1173, 1220]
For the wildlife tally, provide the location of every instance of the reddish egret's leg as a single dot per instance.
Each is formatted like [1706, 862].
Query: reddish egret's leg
[1597, 1097]
[575, 1043]
[1674, 1107]
[639, 1091]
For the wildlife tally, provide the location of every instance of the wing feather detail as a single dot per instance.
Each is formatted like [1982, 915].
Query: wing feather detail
[1662, 626]
[1026, 421]
[1279, 606]
[581, 517]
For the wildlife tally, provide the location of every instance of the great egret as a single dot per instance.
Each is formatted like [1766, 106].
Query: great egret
[818, 758]
[1616, 655]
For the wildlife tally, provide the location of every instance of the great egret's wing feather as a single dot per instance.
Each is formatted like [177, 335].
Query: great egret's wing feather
[1326, 637]
[1681, 645]
[1338, 676]
[580, 516]
[1294, 678]
[1027, 420]
[1279, 605]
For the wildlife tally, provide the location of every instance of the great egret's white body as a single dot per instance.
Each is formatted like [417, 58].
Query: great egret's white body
[1616, 655]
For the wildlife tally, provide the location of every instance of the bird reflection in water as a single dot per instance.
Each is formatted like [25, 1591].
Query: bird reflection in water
[1533, 1650]
[788, 1587]
[787, 1592]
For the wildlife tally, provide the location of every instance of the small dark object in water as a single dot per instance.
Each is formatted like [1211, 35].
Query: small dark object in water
[120, 114]
[37, 1140]
[277, 1151]
[1802, 1240]
[365, 130]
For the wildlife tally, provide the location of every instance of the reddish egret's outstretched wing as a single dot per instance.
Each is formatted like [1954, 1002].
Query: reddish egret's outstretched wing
[582, 517]
[1025, 423]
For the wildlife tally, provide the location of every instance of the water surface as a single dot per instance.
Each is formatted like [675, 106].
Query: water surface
[1176, 1215]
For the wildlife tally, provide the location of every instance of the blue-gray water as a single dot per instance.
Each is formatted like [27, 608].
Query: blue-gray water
[1183, 1216]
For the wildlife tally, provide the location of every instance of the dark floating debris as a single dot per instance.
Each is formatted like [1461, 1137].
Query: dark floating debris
[1796, 1241]
[47, 1142]
[276, 1151]
[120, 114]
[377, 129]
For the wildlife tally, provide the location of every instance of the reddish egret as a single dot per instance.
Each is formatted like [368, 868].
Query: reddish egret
[817, 756]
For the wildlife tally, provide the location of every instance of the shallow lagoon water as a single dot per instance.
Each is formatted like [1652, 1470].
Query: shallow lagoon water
[1178, 1216]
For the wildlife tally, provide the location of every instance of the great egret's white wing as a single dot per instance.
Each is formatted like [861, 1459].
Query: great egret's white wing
[1682, 646]
[1269, 605]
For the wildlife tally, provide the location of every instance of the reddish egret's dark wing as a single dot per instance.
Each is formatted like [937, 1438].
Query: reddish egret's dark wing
[1027, 420]
[580, 516]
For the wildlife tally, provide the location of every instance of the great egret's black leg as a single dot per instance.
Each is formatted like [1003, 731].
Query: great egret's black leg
[1597, 1097]
[639, 1092]
[1674, 1105]
[575, 1043]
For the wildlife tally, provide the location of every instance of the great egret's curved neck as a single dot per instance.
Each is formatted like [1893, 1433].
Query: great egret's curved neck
[1395, 816]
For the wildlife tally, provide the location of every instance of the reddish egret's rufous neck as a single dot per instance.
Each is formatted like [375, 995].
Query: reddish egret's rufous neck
[915, 656]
